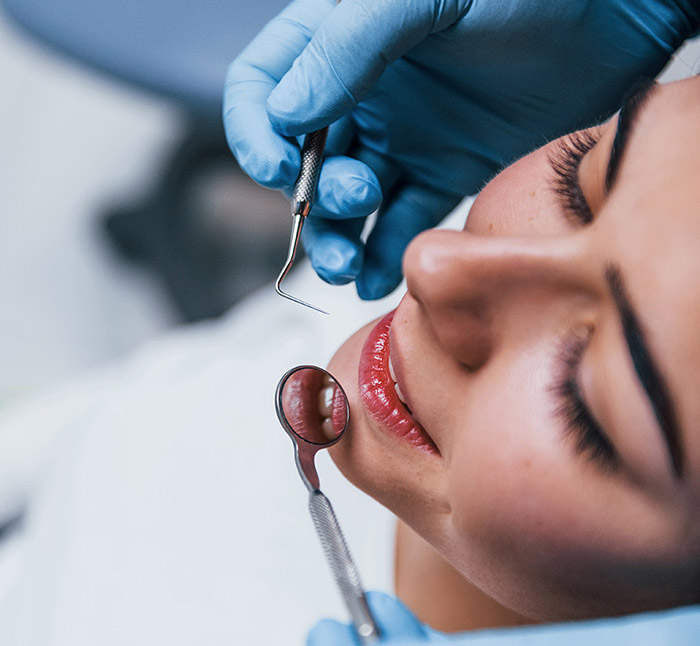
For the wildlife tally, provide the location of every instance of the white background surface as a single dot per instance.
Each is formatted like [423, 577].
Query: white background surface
[70, 144]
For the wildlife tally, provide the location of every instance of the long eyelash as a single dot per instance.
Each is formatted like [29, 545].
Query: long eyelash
[565, 161]
[590, 438]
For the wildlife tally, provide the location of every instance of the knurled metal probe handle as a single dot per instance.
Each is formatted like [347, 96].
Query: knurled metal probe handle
[303, 195]
[311, 159]
[343, 567]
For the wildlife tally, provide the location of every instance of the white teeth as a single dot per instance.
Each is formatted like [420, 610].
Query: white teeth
[327, 428]
[391, 370]
[396, 386]
[325, 401]
[325, 407]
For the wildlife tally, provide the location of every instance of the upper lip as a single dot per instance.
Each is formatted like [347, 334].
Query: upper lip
[378, 393]
[400, 364]
[406, 362]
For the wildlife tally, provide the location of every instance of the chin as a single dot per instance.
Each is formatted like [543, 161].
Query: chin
[353, 454]
[389, 469]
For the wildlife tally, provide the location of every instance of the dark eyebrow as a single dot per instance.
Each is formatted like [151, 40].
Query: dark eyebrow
[629, 114]
[649, 375]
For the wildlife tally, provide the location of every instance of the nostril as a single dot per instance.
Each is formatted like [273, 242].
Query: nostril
[463, 333]
[466, 341]
[452, 295]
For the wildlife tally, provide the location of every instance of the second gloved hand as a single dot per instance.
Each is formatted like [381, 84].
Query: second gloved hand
[396, 622]
[678, 626]
[428, 99]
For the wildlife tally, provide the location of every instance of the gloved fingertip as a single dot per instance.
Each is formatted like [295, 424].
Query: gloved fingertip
[276, 175]
[337, 264]
[384, 604]
[373, 285]
[381, 601]
[391, 613]
[300, 104]
[287, 113]
[359, 196]
[327, 632]
[275, 169]
[348, 189]
[349, 197]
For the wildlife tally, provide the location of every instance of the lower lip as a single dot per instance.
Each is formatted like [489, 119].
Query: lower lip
[378, 394]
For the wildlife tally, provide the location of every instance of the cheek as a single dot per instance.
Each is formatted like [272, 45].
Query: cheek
[541, 529]
[530, 520]
[519, 201]
[505, 476]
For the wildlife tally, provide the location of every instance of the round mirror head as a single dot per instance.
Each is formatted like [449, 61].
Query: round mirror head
[312, 405]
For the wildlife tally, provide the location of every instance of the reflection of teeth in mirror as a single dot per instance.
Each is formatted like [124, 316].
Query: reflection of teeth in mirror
[327, 428]
[325, 401]
[325, 407]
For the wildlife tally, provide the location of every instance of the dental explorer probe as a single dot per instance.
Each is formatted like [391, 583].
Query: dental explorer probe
[302, 200]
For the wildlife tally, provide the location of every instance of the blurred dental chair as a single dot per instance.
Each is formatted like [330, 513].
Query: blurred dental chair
[178, 50]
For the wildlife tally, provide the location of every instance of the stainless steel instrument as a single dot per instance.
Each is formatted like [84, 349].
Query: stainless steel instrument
[302, 201]
[297, 406]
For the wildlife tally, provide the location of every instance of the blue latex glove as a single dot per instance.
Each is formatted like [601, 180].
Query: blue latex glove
[449, 91]
[397, 624]
[680, 627]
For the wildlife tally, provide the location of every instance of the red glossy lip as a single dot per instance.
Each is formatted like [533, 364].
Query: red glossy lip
[378, 394]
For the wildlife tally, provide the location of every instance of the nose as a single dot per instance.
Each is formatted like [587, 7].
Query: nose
[477, 291]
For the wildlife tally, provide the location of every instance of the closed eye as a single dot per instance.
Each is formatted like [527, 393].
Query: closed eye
[571, 409]
[565, 160]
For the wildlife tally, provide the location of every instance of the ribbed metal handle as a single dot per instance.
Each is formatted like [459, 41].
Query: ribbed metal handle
[343, 567]
[311, 159]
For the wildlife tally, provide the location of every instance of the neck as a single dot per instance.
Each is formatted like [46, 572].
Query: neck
[438, 594]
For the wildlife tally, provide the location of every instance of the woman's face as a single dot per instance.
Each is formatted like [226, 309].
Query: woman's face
[549, 359]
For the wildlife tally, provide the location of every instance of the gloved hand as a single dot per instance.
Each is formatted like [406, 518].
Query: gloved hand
[396, 623]
[678, 626]
[429, 99]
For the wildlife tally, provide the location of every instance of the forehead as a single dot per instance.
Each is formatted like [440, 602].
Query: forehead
[652, 224]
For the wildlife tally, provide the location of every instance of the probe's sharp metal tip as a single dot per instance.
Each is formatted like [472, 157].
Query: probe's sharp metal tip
[295, 299]
[293, 244]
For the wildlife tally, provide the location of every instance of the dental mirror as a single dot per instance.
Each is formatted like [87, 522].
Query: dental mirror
[313, 409]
